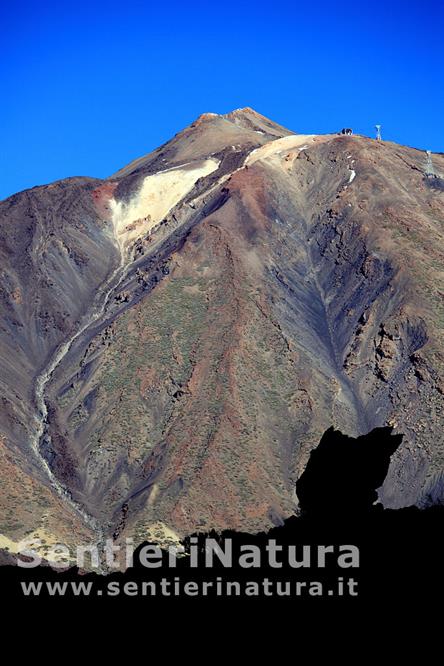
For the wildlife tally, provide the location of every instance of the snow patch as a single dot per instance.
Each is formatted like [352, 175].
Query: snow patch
[352, 176]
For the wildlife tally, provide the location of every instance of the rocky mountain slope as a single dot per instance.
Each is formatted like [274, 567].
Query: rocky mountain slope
[175, 340]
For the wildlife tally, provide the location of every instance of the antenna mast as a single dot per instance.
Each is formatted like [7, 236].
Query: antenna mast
[378, 133]
[429, 168]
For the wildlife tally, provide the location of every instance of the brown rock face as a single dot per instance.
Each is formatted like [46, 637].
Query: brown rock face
[173, 375]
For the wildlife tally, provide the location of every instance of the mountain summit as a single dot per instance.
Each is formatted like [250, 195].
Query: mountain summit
[177, 338]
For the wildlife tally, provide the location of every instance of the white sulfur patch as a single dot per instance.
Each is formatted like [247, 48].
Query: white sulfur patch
[159, 193]
[277, 146]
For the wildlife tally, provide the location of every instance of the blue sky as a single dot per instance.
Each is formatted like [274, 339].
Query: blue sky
[88, 86]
